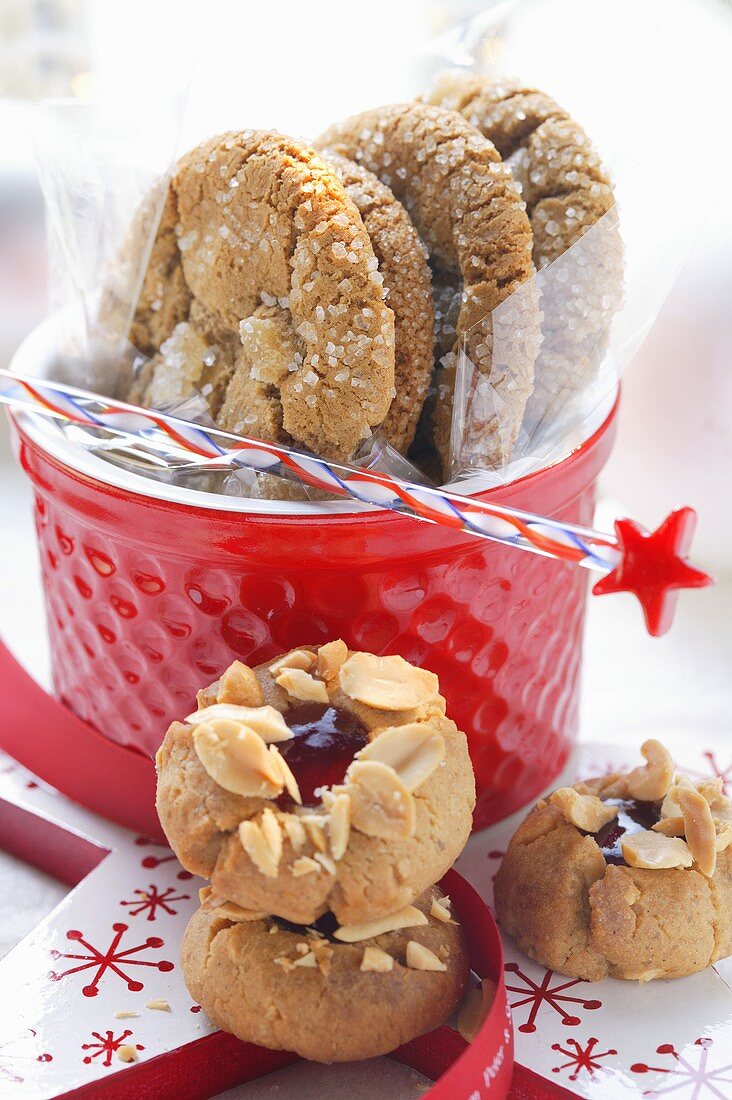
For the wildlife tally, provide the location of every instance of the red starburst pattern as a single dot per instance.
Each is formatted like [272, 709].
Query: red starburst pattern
[691, 1069]
[555, 996]
[581, 1057]
[10, 1053]
[112, 959]
[106, 1045]
[150, 900]
[152, 861]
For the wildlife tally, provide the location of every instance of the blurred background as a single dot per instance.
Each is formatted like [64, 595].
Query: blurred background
[649, 79]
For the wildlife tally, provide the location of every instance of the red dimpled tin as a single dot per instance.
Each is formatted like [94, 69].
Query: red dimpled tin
[148, 597]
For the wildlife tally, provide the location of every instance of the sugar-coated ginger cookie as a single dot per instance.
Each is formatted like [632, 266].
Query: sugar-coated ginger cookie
[403, 263]
[324, 779]
[624, 876]
[263, 291]
[567, 191]
[467, 208]
[304, 989]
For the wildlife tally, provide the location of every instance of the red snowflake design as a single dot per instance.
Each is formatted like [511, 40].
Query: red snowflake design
[715, 770]
[701, 1079]
[105, 1046]
[580, 1057]
[9, 1053]
[112, 959]
[152, 899]
[151, 861]
[546, 993]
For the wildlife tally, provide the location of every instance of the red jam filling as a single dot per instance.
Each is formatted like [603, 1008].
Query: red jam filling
[633, 817]
[325, 742]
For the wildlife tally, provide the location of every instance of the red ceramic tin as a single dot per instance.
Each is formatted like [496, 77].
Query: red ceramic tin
[151, 592]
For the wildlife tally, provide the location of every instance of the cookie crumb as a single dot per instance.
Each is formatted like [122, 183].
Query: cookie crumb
[127, 1053]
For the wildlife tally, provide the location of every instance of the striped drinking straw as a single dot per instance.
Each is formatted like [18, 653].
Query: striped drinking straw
[652, 566]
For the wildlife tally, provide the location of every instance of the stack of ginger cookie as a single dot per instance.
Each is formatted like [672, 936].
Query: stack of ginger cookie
[315, 295]
[322, 795]
[627, 875]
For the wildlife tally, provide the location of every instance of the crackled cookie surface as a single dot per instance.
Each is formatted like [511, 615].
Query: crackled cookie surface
[302, 988]
[403, 263]
[567, 191]
[325, 779]
[624, 876]
[466, 207]
[263, 292]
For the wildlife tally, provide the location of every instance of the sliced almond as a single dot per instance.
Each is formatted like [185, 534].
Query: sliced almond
[413, 751]
[724, 836]
[126, 1015]
[330, 658]
[651, 782]
[300, 685]
[287, 776]
[585, 811]
[295, 831]
[381, 806]
[339, 829]
[440, 911]
[257, 847]
[701, 835]
[387, 683]
[158, 1006]
[308, 961]
[237, 759]
[325, 861]
[239, 684]
[420, 957]
[712, 789]
[272, 833]
[653, 850]
[324, 954]
[670, 806]
[229, 910]
[409, 917]
[670, 826]
[265, 721]
[298, 658]
[304, 865]
[474, 1009]
[314, 824]
[376, 960]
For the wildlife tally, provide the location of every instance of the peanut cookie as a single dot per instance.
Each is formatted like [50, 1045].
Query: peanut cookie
[264, 270]
[624, 876]
[324, 779]
[403, 263]
[567, 190]
[468, 211]
[331, 994]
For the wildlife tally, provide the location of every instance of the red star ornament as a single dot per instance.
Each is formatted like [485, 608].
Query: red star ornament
[654, 566]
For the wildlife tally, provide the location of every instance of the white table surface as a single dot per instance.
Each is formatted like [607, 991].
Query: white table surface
[633, 687]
